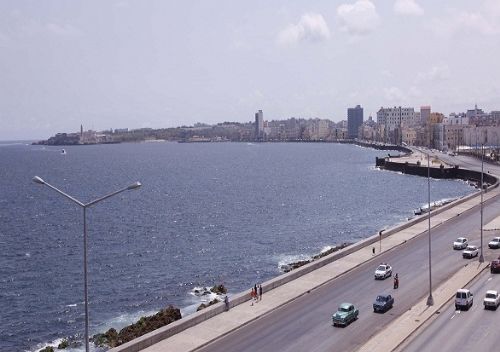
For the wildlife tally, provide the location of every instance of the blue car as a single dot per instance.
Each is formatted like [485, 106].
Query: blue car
[383, 303]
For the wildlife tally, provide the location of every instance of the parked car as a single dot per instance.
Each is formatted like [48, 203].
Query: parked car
[470, 252]
[494, 243]
[345, 315]
[383, 271]
[491, 300]
[460, 243]
[464, 299]
[383, 303]
[495, 266]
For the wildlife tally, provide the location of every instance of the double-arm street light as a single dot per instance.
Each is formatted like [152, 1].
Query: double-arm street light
[430, 300]
[135, 185]
[481, 257]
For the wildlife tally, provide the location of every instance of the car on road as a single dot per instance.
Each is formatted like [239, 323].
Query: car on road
[470, 252]
[345, 315]
[383, 271]
[383, 303]
[494, 243]
[495, 266]
[460, 243]
[463, 299]
[491, 300]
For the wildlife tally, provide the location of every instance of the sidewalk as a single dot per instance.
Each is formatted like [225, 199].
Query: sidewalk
[242, 314]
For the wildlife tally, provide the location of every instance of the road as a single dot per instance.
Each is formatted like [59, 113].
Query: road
[473, 330]
[305, 323]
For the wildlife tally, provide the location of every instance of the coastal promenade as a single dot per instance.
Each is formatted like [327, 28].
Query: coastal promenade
[208, 325]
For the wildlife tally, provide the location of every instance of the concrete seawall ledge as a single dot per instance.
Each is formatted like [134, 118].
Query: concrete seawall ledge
[175, 337]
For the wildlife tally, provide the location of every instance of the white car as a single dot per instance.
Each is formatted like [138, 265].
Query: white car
[464, 299]
[383, 270]
[470, 252]
[460, 243]
[494, 243]
[491, 300]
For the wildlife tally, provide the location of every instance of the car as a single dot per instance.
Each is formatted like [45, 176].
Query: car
[470, 252]
[491, 300]
[495, 266]
[345, 315]
[463, 299]
[494, 243]
[460, 243]
[383, 271]
[383, 303]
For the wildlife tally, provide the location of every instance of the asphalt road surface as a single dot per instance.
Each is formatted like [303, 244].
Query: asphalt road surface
[473, 330]
[305, 324]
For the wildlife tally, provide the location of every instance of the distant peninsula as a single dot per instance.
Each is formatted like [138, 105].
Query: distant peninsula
[290, 130]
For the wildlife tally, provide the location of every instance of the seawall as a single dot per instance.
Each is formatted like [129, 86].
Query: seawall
[435, 172]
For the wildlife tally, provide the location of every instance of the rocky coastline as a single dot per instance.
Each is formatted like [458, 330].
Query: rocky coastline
[294, 265]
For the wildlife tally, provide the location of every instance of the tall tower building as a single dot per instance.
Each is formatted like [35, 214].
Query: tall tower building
[259, 125]
[425, 114]
[354, 121]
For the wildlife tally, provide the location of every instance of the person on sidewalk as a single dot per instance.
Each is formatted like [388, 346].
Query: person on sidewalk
[226, 302]
[260, 292]
[252, 296]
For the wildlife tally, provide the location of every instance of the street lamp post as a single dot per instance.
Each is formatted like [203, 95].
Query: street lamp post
[430, 300]
[481, 257]
[135, 185]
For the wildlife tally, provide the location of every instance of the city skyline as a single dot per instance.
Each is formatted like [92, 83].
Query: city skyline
[159, 64]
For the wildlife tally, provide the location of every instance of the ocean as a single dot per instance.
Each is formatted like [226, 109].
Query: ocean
[207, 213]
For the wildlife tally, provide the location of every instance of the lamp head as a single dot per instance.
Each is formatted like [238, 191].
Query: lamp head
[134, 185]
[38, 180]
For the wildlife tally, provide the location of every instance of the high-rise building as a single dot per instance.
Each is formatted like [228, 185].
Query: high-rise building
[354, 121]
[425, 113]
[259, 125]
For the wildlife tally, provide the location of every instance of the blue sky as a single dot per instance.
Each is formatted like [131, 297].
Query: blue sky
[116, 64]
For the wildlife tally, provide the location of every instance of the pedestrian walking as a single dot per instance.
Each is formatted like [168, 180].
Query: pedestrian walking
[396, 281]
[256, 292]
[373, 250]
[260, 292]
[252, 296]
[226, 302]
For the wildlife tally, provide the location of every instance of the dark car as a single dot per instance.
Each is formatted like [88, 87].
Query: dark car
[383, 303]
[495, 265]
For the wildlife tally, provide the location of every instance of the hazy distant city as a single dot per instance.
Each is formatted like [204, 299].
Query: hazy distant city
[395, 125]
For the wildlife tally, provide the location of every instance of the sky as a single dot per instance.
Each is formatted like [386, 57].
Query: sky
[158, 64]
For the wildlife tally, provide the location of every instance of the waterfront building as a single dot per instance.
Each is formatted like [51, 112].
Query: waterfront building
[354, 121]
[394, 119]
[456, 119]
[317, 130]
[425, 113]
[259, 125]
[454, 135]
[409, 136]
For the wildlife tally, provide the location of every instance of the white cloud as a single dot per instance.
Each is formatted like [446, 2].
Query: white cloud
[359, 18]
[485, 21]
[436, 73]
[394, 94]
[408, 7]
[311, 28]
